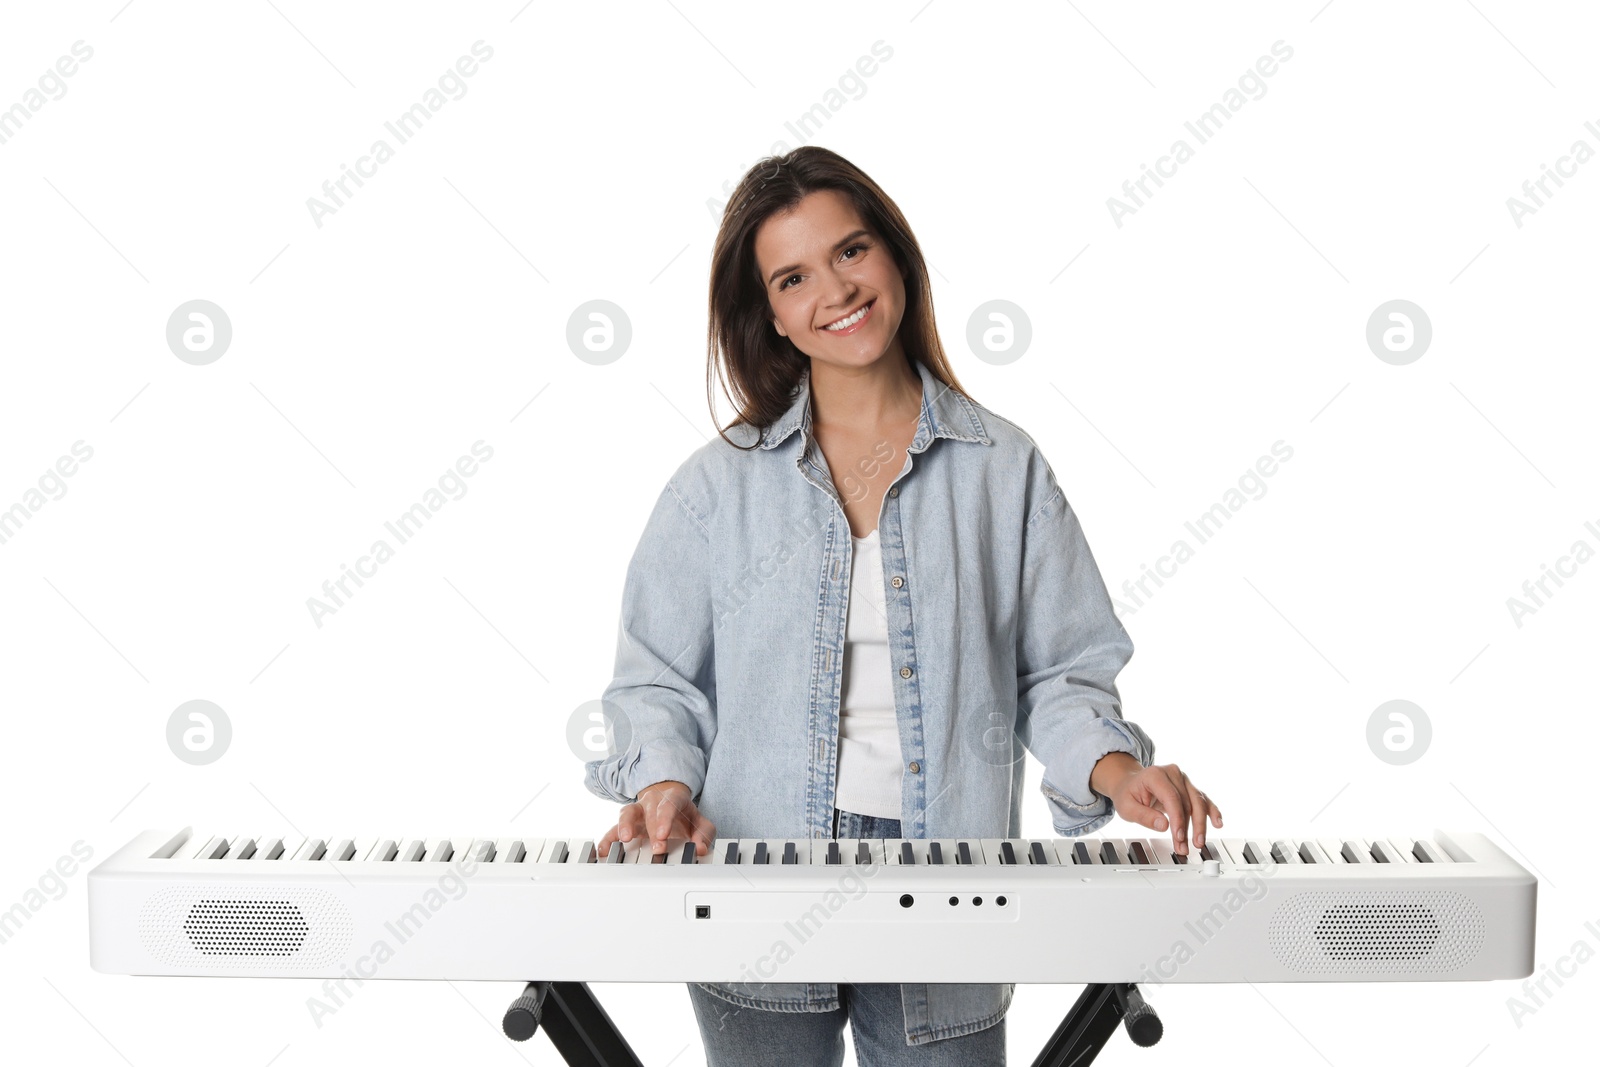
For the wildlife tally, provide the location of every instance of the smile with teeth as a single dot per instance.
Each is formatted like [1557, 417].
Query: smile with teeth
[845, 324]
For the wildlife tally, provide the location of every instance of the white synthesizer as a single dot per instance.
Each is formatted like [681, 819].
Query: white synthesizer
[1054, 910]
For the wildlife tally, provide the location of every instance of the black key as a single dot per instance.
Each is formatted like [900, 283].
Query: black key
[1378, 854]
[833, 852]
[1279, 853]
[935, 854]
[659, 857]
[908, 855]
[1183, 857]
[761, 852]
[1422, 856]
[615, 855]
[688, 853]
[1080, 853]
[732, 855]
[1349, 852]
[1036, 853]
[1250, 853]
[1007, 853]
[1209, 852]
[789, 854]
[1307, 854]
[864, 854]
[1137, 852]
[558, 852]
[963, 854]
[1108, 853]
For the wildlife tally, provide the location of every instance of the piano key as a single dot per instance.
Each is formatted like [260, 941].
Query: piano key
[1008, 853]
[684, 854]
[616, 853]
[1161, 851]
[1283, 851]
[214, 848]
[243, 848]
[790, 853]
[1355, 850]
[1384, 852]
[384, 851]
[834, 856]
[993, 851]
[269, 849]
[1039, 854]
[871, 853]
[412, 851]
[311, 848]
[482, 851]
[935, 853]
[730, 851]
[1429, 852]
[963, 853]
[1402, 847]
[340, 850]
[1256, 852]
[1138, 854]
[510, 850]
[802, 849]
[586, 853]
[1333, 848]
[1311, 852]
[1222, 849]
[557, 852]
[907, 854]
[1078, 851]
[760, 856]
[1109, 853]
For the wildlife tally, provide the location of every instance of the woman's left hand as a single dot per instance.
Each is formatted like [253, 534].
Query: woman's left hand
[1162, 797]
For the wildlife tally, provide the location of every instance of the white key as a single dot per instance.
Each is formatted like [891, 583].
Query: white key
[212, 848]
[1434, 853]
[1285, 849]
[341, 850]
[1255, 850]
[585, 853]
[990, 849]
[270, 849]
[437, 850]
[481, 851]
[1161, 852]
[311, 848]
[412, 850]
[1404, 845]
[384, 850]
[1390, 854]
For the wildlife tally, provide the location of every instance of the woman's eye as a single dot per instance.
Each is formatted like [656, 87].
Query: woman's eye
[855, 248]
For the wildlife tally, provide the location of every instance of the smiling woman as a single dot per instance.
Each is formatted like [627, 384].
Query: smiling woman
[853, 611]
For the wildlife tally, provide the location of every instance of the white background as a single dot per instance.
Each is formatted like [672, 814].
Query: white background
[430, 311]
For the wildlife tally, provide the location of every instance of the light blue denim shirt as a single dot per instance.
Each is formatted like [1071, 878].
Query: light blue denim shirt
[1001, 636]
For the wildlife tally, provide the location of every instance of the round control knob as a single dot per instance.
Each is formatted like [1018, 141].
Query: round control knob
[1210, 868]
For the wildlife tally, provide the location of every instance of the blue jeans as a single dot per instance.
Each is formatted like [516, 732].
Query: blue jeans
[736, 1036]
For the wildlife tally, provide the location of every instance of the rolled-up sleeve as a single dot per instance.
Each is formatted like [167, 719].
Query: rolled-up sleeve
[1070, 647]
[660, 704]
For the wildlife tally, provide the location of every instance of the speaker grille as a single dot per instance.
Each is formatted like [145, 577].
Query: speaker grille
[1376, 932]
[200, 928]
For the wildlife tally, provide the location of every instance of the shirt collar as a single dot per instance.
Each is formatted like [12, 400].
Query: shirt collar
[945, 413]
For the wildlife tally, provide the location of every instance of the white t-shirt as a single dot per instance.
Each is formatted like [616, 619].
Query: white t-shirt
[870, 762]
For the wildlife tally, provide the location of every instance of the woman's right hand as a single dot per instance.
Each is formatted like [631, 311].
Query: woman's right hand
[664, 810]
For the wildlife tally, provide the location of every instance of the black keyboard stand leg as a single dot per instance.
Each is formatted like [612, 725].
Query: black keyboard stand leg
[1084, 1031]
[574, 1021]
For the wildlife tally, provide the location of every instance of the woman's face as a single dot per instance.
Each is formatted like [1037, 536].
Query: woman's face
[821, 266]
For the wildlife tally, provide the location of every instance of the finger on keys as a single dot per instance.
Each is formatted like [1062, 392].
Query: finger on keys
[1197, 806]
[1172, 802]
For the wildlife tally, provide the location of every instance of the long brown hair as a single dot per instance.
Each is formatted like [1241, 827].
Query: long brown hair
[742, 348]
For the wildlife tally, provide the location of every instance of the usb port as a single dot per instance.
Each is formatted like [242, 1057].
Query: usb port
[702, 911]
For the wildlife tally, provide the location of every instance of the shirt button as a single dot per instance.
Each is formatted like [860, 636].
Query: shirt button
[905, 672]
[894, 490]
[915, 767]
[897, 581]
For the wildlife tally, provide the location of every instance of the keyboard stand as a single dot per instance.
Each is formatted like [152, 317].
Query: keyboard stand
[585, 1036]
[1089, 1024]
[577, 1025]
